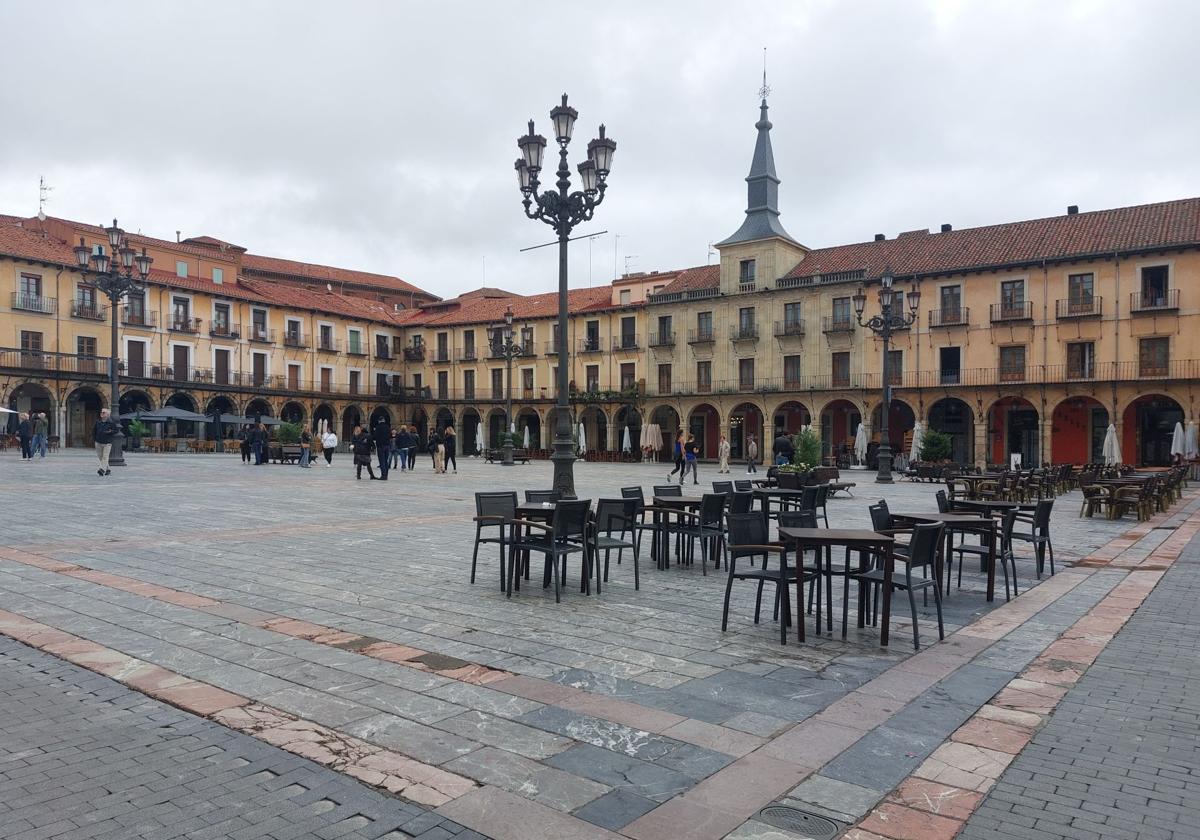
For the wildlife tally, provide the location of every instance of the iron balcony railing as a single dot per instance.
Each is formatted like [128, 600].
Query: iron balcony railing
[661, 338]
[442, 355]
[43, 362]
[624, 342]
[329, 345]
[552, 348]
[360, 349]
[837, 324]
[743, 332]
[34, 303]
[528, 349]
[294, 339]
[786, 328]
[1079, 308]
[222, 329]
[591, 344]
[261, 335]
[139, 318]
[184, 325]
[88, 309]
[1022, 311]
[957, 317]
[468, 354]
[1154, 301]
[700, 336]
[384, 354]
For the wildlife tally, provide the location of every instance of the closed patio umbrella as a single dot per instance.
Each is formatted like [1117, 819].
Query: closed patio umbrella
[860, 444]
[478, 440]
[526, 437]
[914, 452]
[626, 443]
[1112, 446]
[1191, 447]
[1177, 441]
[582, 439]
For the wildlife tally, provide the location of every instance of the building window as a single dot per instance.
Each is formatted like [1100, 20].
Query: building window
[326, 331]
[1155, 286]
[527, 381]
[1012, 298]
[664, 329]
[31, 340]
[181, 268]
[443, 385]
[326, 380]
[469, 344]
[1012, 363]
[841, 311]
[181, 313]
[950, 362]
[355, 381]
[498, 383]
[840, 365]
[30, 286]
[1080, 290]
[593, 335]
[292, 332]
[418, 382]
[951, 304]
[703, 377]
[664, 379]
[626, 297]
[792, 318]
[218, 275]
[746, 271]
[355, 337]
[1081, 360]
[704, 326]
[85, 345]
[258, 324]
[628, 333]
[746, 320]
[469, 384]
[628, 376]
[293, 377]
[1154, 356]
[895, 363]
[791, 371]
[746, 374]
[221, 319]
[593, 378]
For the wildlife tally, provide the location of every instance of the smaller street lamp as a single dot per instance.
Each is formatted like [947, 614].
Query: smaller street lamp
[117, 279]
[509, 350]
[883, 325]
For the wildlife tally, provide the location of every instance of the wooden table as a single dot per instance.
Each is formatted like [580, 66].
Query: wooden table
[824, 539]
[965, 523]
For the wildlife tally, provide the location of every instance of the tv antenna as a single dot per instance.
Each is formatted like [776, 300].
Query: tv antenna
[43, 196]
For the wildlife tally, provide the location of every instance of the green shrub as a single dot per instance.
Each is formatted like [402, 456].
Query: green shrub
[138, 429]
[935, 446]
[808, 449]
[288, 433]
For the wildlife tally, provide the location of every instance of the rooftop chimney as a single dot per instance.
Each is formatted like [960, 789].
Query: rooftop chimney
[1072, 209]
[177, 235]
[946, 228]
[879, 237]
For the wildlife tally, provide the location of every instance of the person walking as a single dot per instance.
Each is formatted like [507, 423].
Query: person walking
[305, 448]
[41, 430]
[360, 445]
[261, 442]
[399, 455]
[784, 449]
[677, 456]
[103, 433]
[329, 442]
[751, 455]
[690, 463]
[244, 442]
[436, 451]
[450, 441]
[383, 446]
[723, 455]
[25, 436]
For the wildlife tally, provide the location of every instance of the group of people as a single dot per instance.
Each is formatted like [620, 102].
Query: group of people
[687, 450]
[33, 433]
[400, 447]
[255, 440]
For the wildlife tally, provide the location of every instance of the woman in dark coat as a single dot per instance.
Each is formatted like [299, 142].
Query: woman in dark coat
[449, 440]
[360, 445]
[25, 435]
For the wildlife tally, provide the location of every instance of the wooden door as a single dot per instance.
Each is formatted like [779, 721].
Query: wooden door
[222, 367]
[181, 357]
[260, 369]
[136, 351]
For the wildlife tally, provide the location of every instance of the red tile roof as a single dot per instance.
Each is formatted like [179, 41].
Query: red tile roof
[700, 277]
[490, 310]
[280, 294]
[255, 264]
[22, 243]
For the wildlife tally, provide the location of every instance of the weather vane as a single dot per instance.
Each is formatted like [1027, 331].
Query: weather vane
[765, 90]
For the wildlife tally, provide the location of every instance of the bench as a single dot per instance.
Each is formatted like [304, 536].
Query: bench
[832, 477]
[288, 453]
[518, 454]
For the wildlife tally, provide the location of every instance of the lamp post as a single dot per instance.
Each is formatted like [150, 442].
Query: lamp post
[563, 210]
[883, 325]
[116, 278]
[510, 350]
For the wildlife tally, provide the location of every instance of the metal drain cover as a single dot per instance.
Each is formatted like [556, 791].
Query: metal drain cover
[808, 825]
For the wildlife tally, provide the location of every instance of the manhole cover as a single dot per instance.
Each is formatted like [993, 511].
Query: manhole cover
[806, 824]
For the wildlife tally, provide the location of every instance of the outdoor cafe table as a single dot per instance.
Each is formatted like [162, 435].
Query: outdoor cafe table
[764, 495]
[973, 480]
[660, 544]
[537, 511]
[858, 539]
[961, 523]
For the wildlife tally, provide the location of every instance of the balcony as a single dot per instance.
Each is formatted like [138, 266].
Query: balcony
[442, 355]
[138, 318]
[184, 325]
[413, 353]
[624, 342]
[1020, 311]
[591, 344]
[219, 329]
[746, 286]
[295, 339]
[552, 348]
[1166, 300]
[357, 349]
[88, 309]
[704, 386]
[836, 324]
[743, 332]
[528, 349]
[34, 303]
[261, 335]
[662, 339]
[329, 345]
[468, 355]
[700, 336]
[789, 328]
[1079, 308]
[384, 354]
[957, 317]
[1012, 373]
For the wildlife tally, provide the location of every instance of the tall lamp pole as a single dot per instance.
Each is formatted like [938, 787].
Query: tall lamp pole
[563, 210]
[116, 279]
[510, 350]
[883, 325]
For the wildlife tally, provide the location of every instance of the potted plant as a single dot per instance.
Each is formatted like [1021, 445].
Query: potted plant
[137, 431]
[935, 446]
[287, 433]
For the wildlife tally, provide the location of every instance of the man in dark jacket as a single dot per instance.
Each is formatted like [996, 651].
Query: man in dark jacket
[25, 435]
[784, 450]
[103, 433]
[360, 445]
[383, 447]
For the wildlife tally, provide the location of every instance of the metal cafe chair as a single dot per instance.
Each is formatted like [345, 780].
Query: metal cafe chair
[493, 513]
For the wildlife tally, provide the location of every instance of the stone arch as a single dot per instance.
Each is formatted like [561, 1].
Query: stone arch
[746, 419]
[380, 414]
[704, 421]
[135, 399]
[954, 417]
[83, 410]
[259, 407]
[326, 412]
[628, 417]
[1078, 425]
[351, 416]
[471, 425]
[901, 420]
[1013, 428]
[595, 427]
[181, 428]
[1147, 425]
[420, 426]
[839, 425]
[32, 397]
[667, 420]
[495, 428]
[789, 417]
[222, 404]
[444, 417]
[293, 412]
[528, 418]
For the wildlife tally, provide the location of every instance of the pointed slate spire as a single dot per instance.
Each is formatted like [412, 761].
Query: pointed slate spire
[762, 190]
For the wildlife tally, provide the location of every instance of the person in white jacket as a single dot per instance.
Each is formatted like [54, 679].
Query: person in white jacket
[723, 455]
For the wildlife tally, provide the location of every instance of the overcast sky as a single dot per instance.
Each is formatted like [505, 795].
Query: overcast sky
[381, 135]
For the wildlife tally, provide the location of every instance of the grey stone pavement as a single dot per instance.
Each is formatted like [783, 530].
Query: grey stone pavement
[635, 701]
[82, 756]
[1120, 756]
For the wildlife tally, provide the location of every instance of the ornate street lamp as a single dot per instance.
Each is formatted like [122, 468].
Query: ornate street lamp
[883, 325]
[117, 279]
[509, 350]
[563, 210]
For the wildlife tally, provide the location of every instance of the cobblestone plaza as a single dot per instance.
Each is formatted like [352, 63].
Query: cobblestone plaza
[318, 664]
